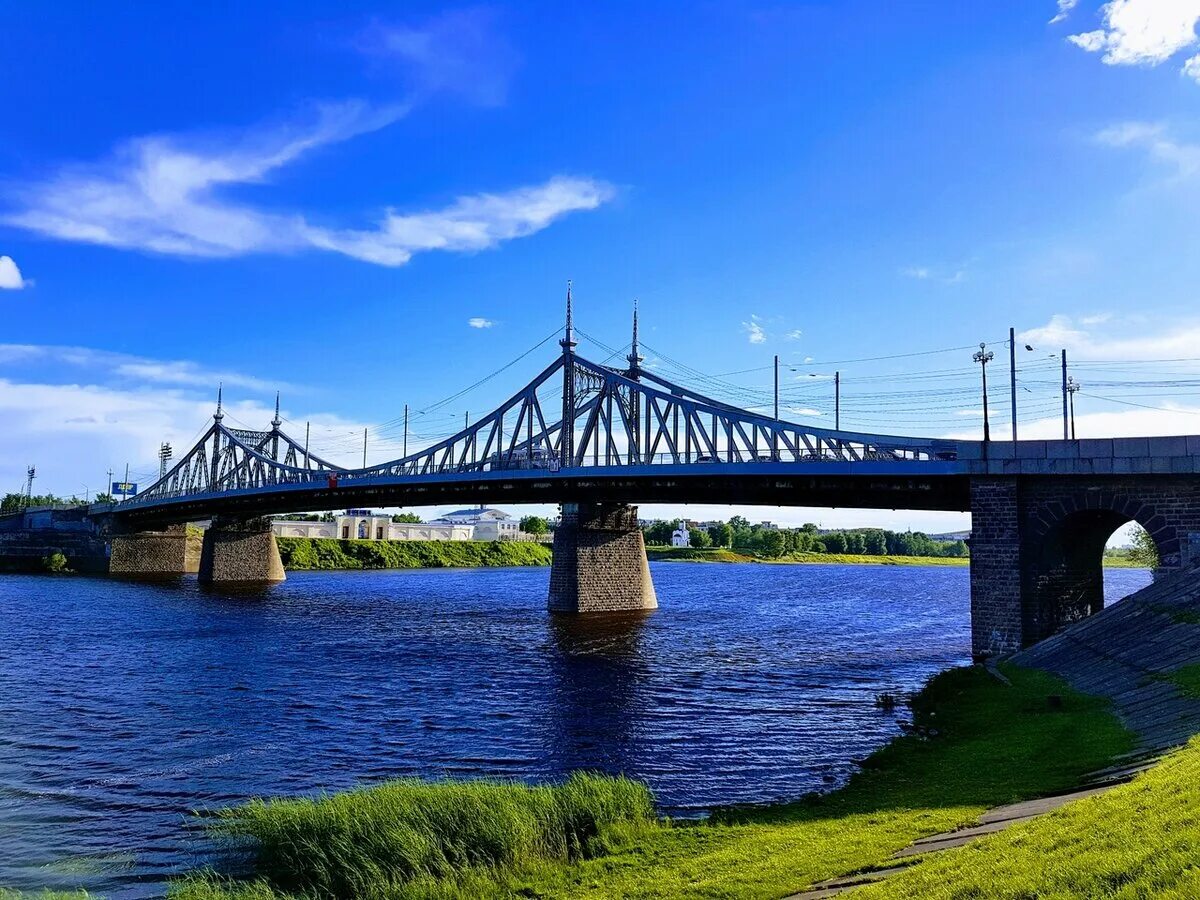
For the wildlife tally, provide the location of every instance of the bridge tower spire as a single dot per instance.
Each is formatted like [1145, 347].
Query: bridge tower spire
[635, 402]
[218, 415]
[275, 423]
[566, 449]
[635, 358]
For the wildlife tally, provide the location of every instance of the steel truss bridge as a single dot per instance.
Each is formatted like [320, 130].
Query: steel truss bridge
[616, 434]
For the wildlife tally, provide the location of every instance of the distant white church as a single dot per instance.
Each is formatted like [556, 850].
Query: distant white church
[680, 537]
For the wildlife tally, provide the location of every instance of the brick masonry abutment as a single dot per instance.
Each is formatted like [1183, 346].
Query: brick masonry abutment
[240, 552]
[600, 561]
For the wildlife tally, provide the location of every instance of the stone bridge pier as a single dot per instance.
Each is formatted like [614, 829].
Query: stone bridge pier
[240, 552]
[169, 553]
[600, 561]
[1037, 544]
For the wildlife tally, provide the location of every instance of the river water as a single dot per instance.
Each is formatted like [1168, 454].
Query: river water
[123, 706]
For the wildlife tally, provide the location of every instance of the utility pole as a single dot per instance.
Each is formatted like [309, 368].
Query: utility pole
[1064, 392]
[30, 474]
[164, 457]
[404, 449]
[1073, 387]
[1012, 377]
[775, 432]
[983, 356]
[837, 401]
[364, 448]
[111, 496]
[777, 388]
[125, 492]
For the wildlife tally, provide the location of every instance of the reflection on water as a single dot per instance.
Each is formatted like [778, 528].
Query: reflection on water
[123, 706]
[599, 669]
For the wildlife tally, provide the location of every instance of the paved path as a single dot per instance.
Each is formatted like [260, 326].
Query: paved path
[1122, 653]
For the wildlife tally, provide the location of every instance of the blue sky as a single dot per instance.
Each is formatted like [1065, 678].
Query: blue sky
[323, 197]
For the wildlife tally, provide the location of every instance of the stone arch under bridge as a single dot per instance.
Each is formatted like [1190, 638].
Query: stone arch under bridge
[1037, 547]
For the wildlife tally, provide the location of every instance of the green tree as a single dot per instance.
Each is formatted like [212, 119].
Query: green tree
[659, 533]
[407, 517]
[773, 543]
[835, 542]
[855, 543]
[698, 537]
[1142, 550]
[535, 525]
[721, 535]
[875, 543]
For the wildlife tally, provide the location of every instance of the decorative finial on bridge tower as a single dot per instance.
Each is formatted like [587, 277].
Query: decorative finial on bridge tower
[218, 415]
[634, 357]
[568, 341]
[276, 422]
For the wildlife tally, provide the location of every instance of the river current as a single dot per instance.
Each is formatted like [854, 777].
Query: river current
[124, 706]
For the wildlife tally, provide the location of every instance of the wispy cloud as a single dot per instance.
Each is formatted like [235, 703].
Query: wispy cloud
[925, 273]
[10, 275]
[754, 331]
[1157, 140]
[1143, 32]
[106, 365]
[167, 194]
[794, 335]
[480, 322]
[1064, 10]
[1085, 338]
[459, 51]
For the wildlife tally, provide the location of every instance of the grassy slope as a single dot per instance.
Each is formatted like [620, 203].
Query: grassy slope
[717, 554]
[1139, 840]
[994, 744]
[329, 553]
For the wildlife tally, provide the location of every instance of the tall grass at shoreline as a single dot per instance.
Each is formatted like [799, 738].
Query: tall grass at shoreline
[976, 742]
[372, 841]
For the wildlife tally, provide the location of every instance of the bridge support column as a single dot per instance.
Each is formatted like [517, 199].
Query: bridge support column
[600, 561]
[155, 554]
[240, 552]
[996, 595]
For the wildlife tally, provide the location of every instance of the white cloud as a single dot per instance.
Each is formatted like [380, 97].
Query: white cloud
[1158, 142]
[168, 195]
[480, 322]
[794, 335]
[107, 365]
[10, 275]
[1064, 10]
[457, 51]
[754, 331]
[925, 273]
[1083, 340]
[1142, 32]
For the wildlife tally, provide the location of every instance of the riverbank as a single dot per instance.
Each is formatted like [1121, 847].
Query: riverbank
[720, 554]
[975, 742]
[723, 555]
[329, 553]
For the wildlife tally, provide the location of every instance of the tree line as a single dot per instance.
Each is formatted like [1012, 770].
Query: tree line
[739, 534]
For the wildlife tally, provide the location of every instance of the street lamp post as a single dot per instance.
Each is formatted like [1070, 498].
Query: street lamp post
[1073, 387]
[983, 356]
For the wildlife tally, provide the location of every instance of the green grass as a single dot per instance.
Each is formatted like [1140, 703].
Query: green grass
[329, 553]
[720, 554]
[1186, 678]
[1139, 840]
[985, 743]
